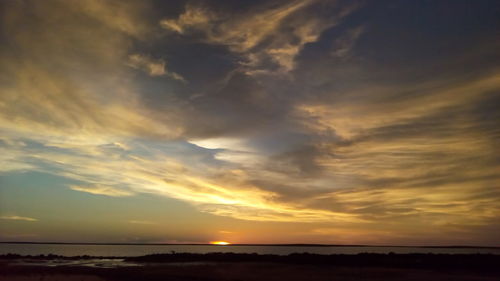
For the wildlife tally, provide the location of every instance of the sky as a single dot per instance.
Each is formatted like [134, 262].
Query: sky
[311, 121]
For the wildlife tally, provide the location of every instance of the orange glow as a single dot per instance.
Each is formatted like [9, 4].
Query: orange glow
[221, 243]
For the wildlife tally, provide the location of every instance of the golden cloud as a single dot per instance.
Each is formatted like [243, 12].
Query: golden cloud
[72, 108]
[102, 190]
[17, 218]
[282, 29]
[151, 66]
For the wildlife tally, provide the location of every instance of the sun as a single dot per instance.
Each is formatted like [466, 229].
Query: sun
[220, 243]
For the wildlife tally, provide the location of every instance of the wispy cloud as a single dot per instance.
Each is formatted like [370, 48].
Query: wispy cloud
[194, 17]
[102, 190]
[343, 46]
[17, 218]
[275, 32]
[154, 67]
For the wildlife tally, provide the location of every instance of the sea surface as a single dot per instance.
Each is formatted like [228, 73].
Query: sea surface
[140, 250]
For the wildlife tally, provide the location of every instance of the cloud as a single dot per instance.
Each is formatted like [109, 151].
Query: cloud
[124, 16]
[11, 160]
[239, 34]
[50, 98]
[210, 189]
[270, 32]
[193, 17]
[17, 218]
[151, 66]
[347, 146]
[102, 190]
[383, 158]
[342, 47]
[371, 170]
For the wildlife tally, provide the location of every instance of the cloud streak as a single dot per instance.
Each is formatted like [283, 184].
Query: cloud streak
[102, 190]
[17, 218]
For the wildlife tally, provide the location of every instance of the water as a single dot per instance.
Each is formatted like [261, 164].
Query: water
[140, 250]
[98, 263]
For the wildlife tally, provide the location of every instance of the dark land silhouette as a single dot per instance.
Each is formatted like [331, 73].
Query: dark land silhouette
[255, 267]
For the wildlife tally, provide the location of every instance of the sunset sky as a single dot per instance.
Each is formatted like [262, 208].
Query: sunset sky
[309, 121]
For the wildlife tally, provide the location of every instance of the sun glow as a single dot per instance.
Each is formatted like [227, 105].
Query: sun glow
[221, 243]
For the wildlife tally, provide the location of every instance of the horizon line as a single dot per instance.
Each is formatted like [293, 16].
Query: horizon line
[245, 244]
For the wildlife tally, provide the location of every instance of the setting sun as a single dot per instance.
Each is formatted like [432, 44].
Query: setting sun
[222, 243]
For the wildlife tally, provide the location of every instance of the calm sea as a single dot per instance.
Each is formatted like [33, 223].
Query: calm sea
[139, 250]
